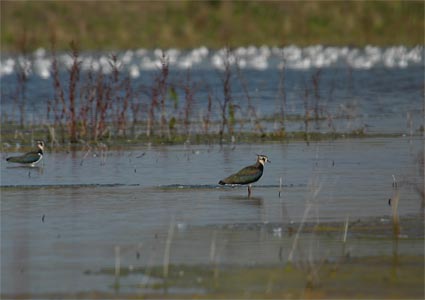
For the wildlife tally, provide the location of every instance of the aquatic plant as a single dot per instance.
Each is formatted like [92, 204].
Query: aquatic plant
[22, 72]
[207, 117]
[162, 91]
[305, 98]
[226, 105]
[189, 92]
[74, 76]
[282, 97]
[95, 100]
[93, 103]
[315, 82]
[251, 110]
[158, 93]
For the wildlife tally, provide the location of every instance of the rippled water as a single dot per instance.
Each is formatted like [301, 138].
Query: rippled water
[62, 221]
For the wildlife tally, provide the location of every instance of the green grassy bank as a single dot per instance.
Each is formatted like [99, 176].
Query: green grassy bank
[114, 25]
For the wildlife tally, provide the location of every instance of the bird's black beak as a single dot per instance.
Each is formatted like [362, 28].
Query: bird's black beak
[268, 160]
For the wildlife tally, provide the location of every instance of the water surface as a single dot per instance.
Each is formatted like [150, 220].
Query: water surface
[62, 221]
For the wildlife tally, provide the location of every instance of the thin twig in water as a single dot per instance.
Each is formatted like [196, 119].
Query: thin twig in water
[117, 261]
[344, 239]
[103, 154]
[306, 212]
[213, 246]
[117, 267]
[280, 186]
[85, 155]
[396, 230]
[394, 207]
[294, 244]
[167, 249]
[214, 256]
[53, 139]
[394, 182]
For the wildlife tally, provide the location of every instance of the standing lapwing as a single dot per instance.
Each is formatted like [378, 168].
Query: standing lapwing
[248, 174]
[30, 158]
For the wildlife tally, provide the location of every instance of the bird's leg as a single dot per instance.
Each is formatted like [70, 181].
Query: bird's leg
[249, 190]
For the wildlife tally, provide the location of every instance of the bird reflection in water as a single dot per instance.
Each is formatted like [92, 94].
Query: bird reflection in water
[251, 200]
[39, 170]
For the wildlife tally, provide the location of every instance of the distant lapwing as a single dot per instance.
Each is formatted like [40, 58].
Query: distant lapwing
[248, 174]
[30, 158]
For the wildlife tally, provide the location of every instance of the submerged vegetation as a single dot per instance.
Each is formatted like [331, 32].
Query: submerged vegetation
[342, 276]
[351, 279]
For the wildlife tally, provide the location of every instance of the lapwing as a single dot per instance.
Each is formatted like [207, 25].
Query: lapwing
[248, 174]
[30, 158]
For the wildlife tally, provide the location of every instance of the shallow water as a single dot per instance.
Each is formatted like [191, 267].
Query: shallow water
[61, 222]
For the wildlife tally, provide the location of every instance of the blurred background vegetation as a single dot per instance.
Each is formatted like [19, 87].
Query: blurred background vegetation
[115, 25]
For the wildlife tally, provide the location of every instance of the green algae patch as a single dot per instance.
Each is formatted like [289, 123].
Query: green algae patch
[361, 278]
[21, 139]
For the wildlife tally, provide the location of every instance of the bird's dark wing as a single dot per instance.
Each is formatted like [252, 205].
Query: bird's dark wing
[246, 175]
[27, 158]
